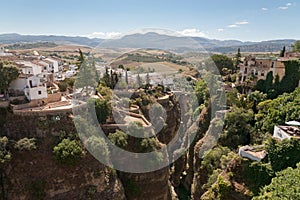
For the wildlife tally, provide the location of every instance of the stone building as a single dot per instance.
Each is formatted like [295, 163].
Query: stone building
[258, 68]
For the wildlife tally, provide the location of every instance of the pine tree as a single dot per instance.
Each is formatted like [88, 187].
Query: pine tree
[147, 79]
[238, 58]
[139, 80]
[282, 52]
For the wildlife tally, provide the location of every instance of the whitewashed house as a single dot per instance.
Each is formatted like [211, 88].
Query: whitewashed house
[35, 89]
[286, 132]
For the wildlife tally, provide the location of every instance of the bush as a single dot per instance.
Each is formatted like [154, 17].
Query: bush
[62, 86]
[284, 186]
[119, 138]
[283, 154]
[25, 144]
[68, 151]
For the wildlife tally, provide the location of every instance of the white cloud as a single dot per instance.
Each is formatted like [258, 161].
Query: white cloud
[192, 33]
[220, 29]
[287, 6]
[232, 26]
[283, 8]
[105, 35]
[242, 23]
[264, 9]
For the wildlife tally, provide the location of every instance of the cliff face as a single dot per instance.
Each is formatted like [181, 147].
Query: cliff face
[152, 185]
[37, 175]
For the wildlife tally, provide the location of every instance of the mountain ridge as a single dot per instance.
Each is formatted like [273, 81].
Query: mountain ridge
[155, 40]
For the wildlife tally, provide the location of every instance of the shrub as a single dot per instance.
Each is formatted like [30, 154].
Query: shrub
[25, 144]
[68, 151]
[63, 86]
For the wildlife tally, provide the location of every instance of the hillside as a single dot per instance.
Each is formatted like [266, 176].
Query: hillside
[159, 60]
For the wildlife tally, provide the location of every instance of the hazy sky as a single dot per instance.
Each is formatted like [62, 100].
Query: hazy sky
[253, 20]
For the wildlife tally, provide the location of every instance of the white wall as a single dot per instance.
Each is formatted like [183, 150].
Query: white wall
[280, 134]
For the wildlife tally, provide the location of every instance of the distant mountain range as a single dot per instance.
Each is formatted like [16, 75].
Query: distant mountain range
[155, 40]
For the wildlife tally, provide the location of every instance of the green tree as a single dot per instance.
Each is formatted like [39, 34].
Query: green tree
[62, 86]
[68, 151]
[87, 78]
[296, 46]
[102, 109]
[220, 61]
[255, 98]
[80, 59]
[238, 56]
[282, 52]
[147, 78]
[5, 157]
[283, 154]
[8, 73]
[201, 91]
[285, 186]
[237, 129]
[139, 80]
[119, 138]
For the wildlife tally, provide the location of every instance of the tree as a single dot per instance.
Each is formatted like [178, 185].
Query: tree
[5, 157]
[284, 186]
[296, 46]
[62, 86]
[282, 52]
[237, 128]
[283, 154]
[87, 77]
[147, 78]
[220, 61]
[139, 80]
[202, 92]
[238, 58]
[102, 109]
[8, 73]
[68, 151]
[80, 59]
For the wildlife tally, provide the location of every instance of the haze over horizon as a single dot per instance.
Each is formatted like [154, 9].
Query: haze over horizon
[222, 20]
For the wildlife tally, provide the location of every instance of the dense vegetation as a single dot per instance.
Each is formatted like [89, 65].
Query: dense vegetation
[8, 73]
[31, 45]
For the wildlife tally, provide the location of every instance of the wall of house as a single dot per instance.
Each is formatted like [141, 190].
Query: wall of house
[280, 134]
[39, 92]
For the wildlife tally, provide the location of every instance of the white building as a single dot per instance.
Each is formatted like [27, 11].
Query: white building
[55, 64]
[30, 68]
[286, 132]
[256, 153]
[35, 89]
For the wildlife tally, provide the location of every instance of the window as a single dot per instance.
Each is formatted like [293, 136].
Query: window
[246, 70]
[263, 73]
[252, 72]
[272, 65]
[39, 92]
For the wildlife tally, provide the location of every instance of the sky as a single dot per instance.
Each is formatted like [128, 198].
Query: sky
[254, 20]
